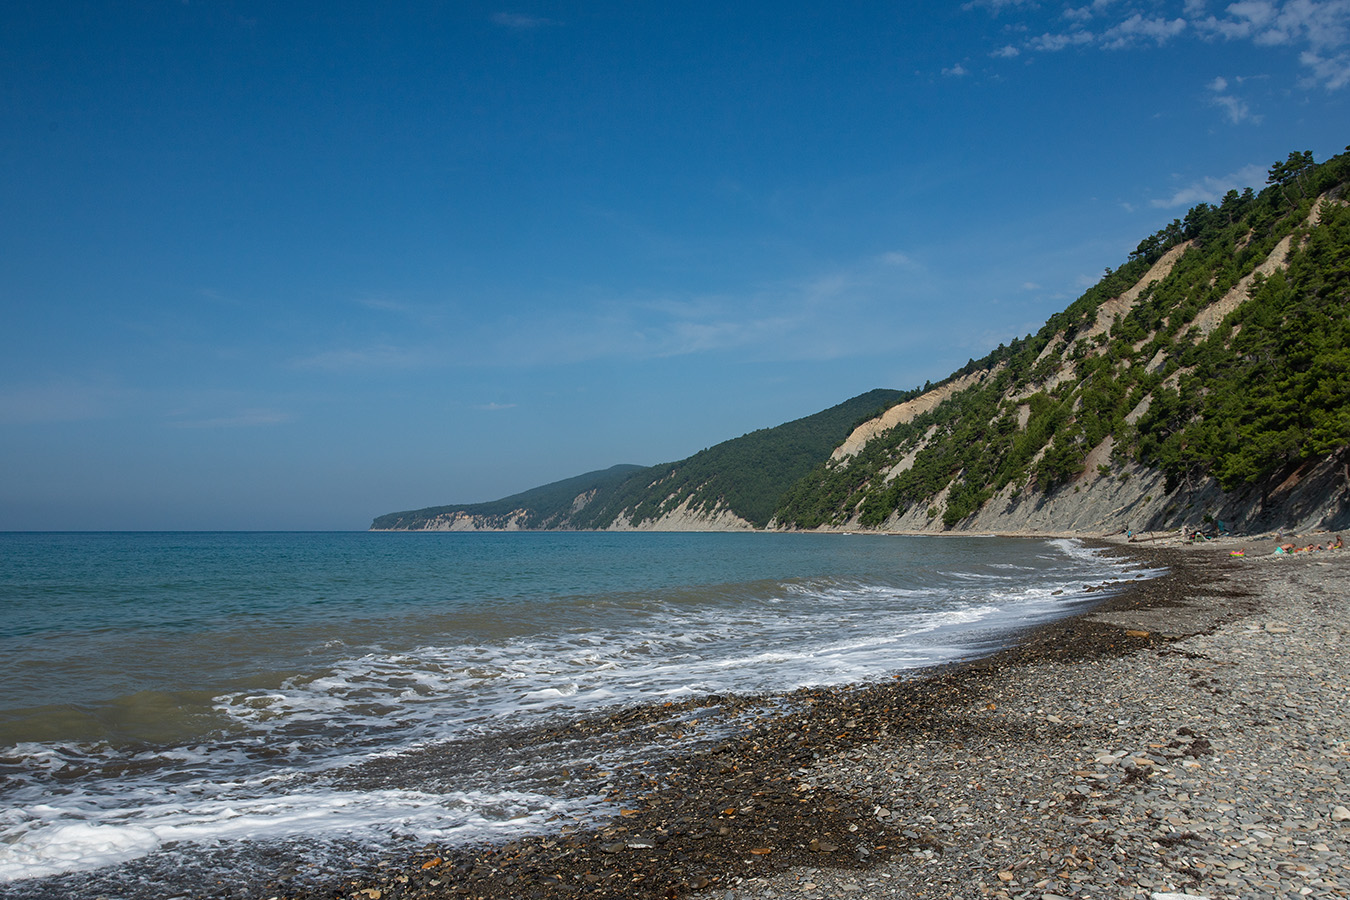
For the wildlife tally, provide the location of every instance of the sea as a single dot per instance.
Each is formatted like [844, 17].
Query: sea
[186, 709]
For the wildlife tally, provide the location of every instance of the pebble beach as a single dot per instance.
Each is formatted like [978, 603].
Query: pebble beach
[1190, 737]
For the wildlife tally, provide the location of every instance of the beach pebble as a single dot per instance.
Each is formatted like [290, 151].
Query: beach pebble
[1203, 767]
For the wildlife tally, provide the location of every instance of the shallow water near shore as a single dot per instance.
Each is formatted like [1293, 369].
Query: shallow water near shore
[178, 702]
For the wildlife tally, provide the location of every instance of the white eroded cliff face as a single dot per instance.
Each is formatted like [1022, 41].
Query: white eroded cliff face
[1104, 497]
[682, 518]
[1209, 318]
[902, 413]
[463, 521]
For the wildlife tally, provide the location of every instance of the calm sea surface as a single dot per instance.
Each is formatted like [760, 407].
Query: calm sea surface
[170, 697]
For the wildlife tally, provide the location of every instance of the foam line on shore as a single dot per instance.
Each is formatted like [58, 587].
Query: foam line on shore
[980, 779]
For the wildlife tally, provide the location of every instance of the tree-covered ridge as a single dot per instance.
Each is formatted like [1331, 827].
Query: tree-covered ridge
[543, 507]
[1240, 399]
[745, 476]
[1218, 352]
[1271, 385]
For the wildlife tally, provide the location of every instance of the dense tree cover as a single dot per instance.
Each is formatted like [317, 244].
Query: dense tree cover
[746, 475]
[1265, 390]
[546, 506]
[1272, 387]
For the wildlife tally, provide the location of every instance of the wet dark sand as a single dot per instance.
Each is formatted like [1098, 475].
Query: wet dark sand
[716, 814]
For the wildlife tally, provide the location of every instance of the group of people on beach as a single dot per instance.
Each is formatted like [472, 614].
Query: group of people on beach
[1294, 548]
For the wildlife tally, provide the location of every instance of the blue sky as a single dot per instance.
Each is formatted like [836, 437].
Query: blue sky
[269, 265]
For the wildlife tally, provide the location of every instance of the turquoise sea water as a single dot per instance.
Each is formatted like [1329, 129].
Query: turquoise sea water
[165, 695]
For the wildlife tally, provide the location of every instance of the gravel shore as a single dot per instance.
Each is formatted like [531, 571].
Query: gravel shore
[1189, 736]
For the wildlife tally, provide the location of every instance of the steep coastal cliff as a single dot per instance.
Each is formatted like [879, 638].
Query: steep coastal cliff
[1205, 382]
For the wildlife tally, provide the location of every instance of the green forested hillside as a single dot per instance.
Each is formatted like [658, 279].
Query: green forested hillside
[745, 476]
[1272, 385]
[545, 507]
[1217, 353]
[1166, 383]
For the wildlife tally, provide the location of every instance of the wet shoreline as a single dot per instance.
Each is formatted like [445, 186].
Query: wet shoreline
[746, 806]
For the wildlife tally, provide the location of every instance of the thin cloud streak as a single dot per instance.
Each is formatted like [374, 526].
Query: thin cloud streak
[520, 21]
[830, 314]
[1211, 190]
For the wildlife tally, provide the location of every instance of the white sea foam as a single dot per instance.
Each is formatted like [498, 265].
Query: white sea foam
[69, 847]
[266, 776]
[47, 838]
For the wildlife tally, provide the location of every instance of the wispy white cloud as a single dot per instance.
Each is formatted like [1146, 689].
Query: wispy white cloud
[1093, 10]
[494, 407]
[424, 314]
[1237, 110]
[830, 314]
[1211, 189]
[897, 258]
[1135, 30]
[1007, 51]
[1139, 29]
[826, 315]
[854, 308]
[996, 6]
[955, 71]
[1320, 27]
[520, 21]
[1053, 43]
[1321, 24]
[1331, 72]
